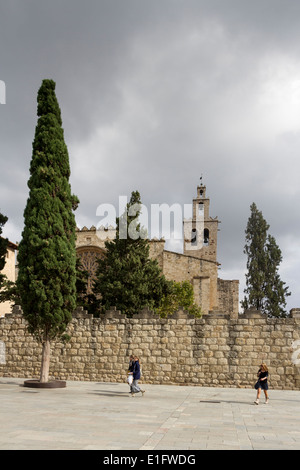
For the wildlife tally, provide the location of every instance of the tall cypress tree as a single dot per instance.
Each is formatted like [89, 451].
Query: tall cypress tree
[275, 289]
[127, 277]
[47, 256]
[256, 236]
[264, 289]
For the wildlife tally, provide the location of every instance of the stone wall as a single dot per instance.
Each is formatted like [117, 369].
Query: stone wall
[202, 273]
[179, 267]
[228, 292]
[216, 350]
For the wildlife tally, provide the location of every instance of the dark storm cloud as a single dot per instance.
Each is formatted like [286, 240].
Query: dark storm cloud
[152, 95]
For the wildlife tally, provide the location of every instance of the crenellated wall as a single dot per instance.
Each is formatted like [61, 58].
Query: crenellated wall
[216, 350]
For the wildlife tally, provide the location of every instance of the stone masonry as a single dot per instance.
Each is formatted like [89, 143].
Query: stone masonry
[215, 350]
[197, 264]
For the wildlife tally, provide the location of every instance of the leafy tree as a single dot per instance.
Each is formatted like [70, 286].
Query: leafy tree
[264, 289]
[8, 289]
[181, 295]
[3, 249]
[275, 290]
[256, 235]
[126, 277]
[47, 256]
[9, 292]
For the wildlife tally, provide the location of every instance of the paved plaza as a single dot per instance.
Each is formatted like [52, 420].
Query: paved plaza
[103, 416]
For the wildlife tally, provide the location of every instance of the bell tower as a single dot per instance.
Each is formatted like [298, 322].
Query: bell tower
[200, 232]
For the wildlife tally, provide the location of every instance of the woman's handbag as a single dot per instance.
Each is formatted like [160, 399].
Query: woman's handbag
[256, 386]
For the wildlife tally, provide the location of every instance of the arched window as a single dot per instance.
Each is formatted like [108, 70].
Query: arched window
[194, 237]
[89, 256]
[201, 208]
[206, 237]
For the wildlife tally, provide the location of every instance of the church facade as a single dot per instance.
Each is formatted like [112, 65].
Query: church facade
[197, 264]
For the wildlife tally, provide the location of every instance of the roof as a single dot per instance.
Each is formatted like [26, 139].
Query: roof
[12, 245]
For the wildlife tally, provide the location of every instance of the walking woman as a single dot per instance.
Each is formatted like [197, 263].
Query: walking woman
[262, 383]
[136, 372]
[130, 370]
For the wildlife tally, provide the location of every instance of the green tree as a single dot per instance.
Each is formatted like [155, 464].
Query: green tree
[256, 236]
[275, 289]
[47, 256]
[3, 249]
[126, 277]
[264, 289]
[181, 295]
[8, 289]
[9, 292]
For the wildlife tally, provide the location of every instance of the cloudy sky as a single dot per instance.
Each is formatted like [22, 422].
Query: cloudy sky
[154, 94]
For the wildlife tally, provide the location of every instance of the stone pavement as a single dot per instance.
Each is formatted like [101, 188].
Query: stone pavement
[103, 416]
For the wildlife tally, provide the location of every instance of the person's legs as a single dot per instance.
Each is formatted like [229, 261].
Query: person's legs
[266, 395]
[258, 396]
[136, 388]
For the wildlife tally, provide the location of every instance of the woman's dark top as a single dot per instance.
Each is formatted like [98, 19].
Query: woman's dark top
[136, 371]
[262, 375]
[263, 383]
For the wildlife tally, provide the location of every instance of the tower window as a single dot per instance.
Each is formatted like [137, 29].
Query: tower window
[194, 237]
[206, 237]
[201, 208]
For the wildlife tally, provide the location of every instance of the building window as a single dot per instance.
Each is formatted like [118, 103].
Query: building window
[89, 256]
[206, 237]
[194, 237]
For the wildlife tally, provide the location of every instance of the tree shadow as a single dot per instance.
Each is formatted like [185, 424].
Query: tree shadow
[109, 393]
[2, 382]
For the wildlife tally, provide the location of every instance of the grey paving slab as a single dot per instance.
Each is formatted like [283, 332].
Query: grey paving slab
[103, 416]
